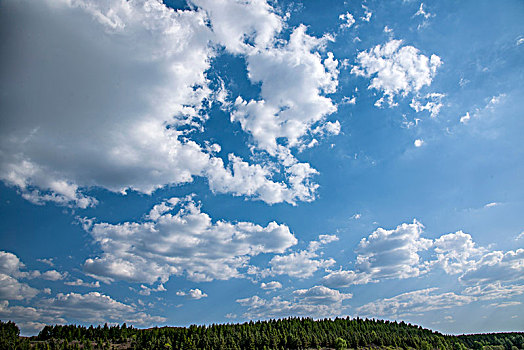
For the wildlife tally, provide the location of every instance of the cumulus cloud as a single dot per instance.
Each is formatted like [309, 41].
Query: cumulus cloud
[393, 253]
[242, 26]
[118, 111]
[495, 267]
[342, 278]
[318, 301]
[176, 238]
[192, 294]
[12, 289]
[271, 285]
[302, 264]
[414, 302]
[456, 252]
[396, 70]
[10, 265]
[288, 111]
[53, 275]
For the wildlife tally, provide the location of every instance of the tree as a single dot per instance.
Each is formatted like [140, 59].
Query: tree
[340, 344]
[9, 333]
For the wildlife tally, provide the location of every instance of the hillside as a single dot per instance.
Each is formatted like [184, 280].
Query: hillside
[290, 333]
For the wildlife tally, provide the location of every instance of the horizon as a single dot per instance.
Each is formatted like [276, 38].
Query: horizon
[206, 162]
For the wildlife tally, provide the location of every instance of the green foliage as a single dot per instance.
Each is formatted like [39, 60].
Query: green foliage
[340, 344]
[9, 334]
[290, 333]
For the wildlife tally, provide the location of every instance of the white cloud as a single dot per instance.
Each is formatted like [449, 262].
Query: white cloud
[456, 252]
[242, 26]
[433, 103]
[317, 302]
[271, 285]
[479, 112]
[414, 302]
[287, 110]
[491, 204]
[367, 14]
[145, 290]
[342, 278]
[494, 291]
[53, 275]
[465, 118]
[111, 112]
[418, 142]
[181, 239]
[10, 265]
[396, 70]
[423, 13]
[495, 267]
[80, 283]
[393, 253]
[47, 261]
[302, 264]
[347, 20]
[12, 289]
[192, 294]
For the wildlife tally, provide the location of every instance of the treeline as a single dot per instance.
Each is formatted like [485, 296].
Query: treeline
[290, 333]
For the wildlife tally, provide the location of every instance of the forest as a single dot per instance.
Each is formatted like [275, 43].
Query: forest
[289, 333]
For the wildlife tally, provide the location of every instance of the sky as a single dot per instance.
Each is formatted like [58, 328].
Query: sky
[214, 161]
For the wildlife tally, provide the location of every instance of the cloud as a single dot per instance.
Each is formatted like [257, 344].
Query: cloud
[423, 13]
[385, 254]
[492, 204]
[192, 294]
[347, 20]
[287, 111]
[479, 112]
[117, 112]
[456, 252]
[465, 118]
[80, 283]
[10, 265]
[341, 278]
[393, 253]
[494, 291]
[321, 295]
[396, 70]
[302, 264]
[12, 289]
[271, 285]
[418, 142]
[433, 103]
[53, 275]
[414, 302]
[495, 267]
[367, 14]
[145, 290]
[242, 27]
[317, 302]
[176, 238]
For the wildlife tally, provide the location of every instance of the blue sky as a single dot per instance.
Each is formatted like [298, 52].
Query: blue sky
[172, 163]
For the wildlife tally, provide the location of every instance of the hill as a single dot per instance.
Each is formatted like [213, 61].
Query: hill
[290, 333]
